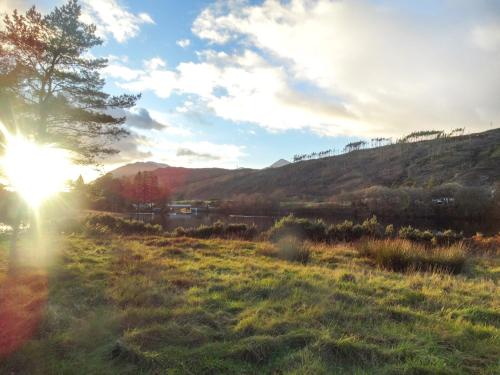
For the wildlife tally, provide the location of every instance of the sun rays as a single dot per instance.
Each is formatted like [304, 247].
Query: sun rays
[35, 171]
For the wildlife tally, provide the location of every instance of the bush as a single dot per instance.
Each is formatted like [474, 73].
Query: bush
[293, 249]
[218, 230]
[179, 232]
[300, 228]
[340, 232]
[348, 231]
[389, 231]
[104, 224]
[372, 228]
[345, 232]
[403, 255]
[416, 235]
[447, 237]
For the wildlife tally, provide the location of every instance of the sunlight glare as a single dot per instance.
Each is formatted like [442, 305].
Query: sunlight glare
[36, 172]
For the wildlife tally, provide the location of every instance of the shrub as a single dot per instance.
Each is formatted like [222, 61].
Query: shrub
[203, 231]
[179, 232]
[293, 249]
[403, 255]
[313, 230]
[340, 232]
[416, 235]
[105, 220]
[346, 232]
[389, 231]
[447, 237]
[70, 225]
[96, 229]
[104, 224]
[235, 228]
[218, 230]
[357, 232]
[372, 228]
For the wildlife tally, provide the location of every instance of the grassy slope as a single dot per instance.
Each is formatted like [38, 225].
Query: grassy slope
[140, 304]
[469, 160]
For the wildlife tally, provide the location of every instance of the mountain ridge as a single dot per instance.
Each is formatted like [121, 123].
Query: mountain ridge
[469, 160]
[133, 168]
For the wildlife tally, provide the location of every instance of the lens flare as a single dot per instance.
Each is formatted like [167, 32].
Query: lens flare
[36, 172]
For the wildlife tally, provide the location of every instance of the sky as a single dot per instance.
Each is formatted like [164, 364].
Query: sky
[235, 83]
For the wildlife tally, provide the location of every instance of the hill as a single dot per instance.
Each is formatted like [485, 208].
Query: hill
[134, 168]
[279, 163]
[176, 179]
[469, 160]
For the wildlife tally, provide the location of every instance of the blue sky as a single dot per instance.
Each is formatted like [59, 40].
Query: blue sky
[244, 83]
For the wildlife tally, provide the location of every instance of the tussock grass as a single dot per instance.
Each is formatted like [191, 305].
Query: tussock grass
[402, 255]
[485, 245]
[292, 249]
[151, 304]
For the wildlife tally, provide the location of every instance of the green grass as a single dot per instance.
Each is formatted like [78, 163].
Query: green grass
[151, 305]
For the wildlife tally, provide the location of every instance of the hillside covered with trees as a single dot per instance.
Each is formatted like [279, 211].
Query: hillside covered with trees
[469, 160]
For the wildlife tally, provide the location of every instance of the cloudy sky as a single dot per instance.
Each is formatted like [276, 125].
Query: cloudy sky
[236, 83]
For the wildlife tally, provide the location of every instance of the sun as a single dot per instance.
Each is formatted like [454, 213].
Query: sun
[36, 172]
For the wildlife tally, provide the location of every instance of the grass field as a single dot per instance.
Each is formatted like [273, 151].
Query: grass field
[155, 305]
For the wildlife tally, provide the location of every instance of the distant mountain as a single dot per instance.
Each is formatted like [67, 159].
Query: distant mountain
[279, 163]
[132, 169]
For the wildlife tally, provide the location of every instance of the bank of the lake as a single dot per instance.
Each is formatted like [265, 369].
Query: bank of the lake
[263, 222]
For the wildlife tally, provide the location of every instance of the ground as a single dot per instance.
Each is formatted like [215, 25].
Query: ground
[153, 305]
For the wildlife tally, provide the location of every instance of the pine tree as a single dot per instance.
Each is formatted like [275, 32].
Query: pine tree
[54, 84]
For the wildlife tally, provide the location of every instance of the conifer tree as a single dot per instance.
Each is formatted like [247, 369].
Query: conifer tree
[54, 85]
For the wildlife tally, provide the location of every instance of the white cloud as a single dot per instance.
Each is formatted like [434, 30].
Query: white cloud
[205, 26]
[146, 18]
[183, 43]
[135, 147]
[393, 68]
[487, 37]
[155, 63]
[243, 88]
[170, 129]
[114, 19]
[8, 6]
[117, 70]
[152, 77]
[202, 154]
[340, 67]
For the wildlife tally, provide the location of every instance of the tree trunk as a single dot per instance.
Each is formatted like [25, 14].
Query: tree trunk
[42, 124]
